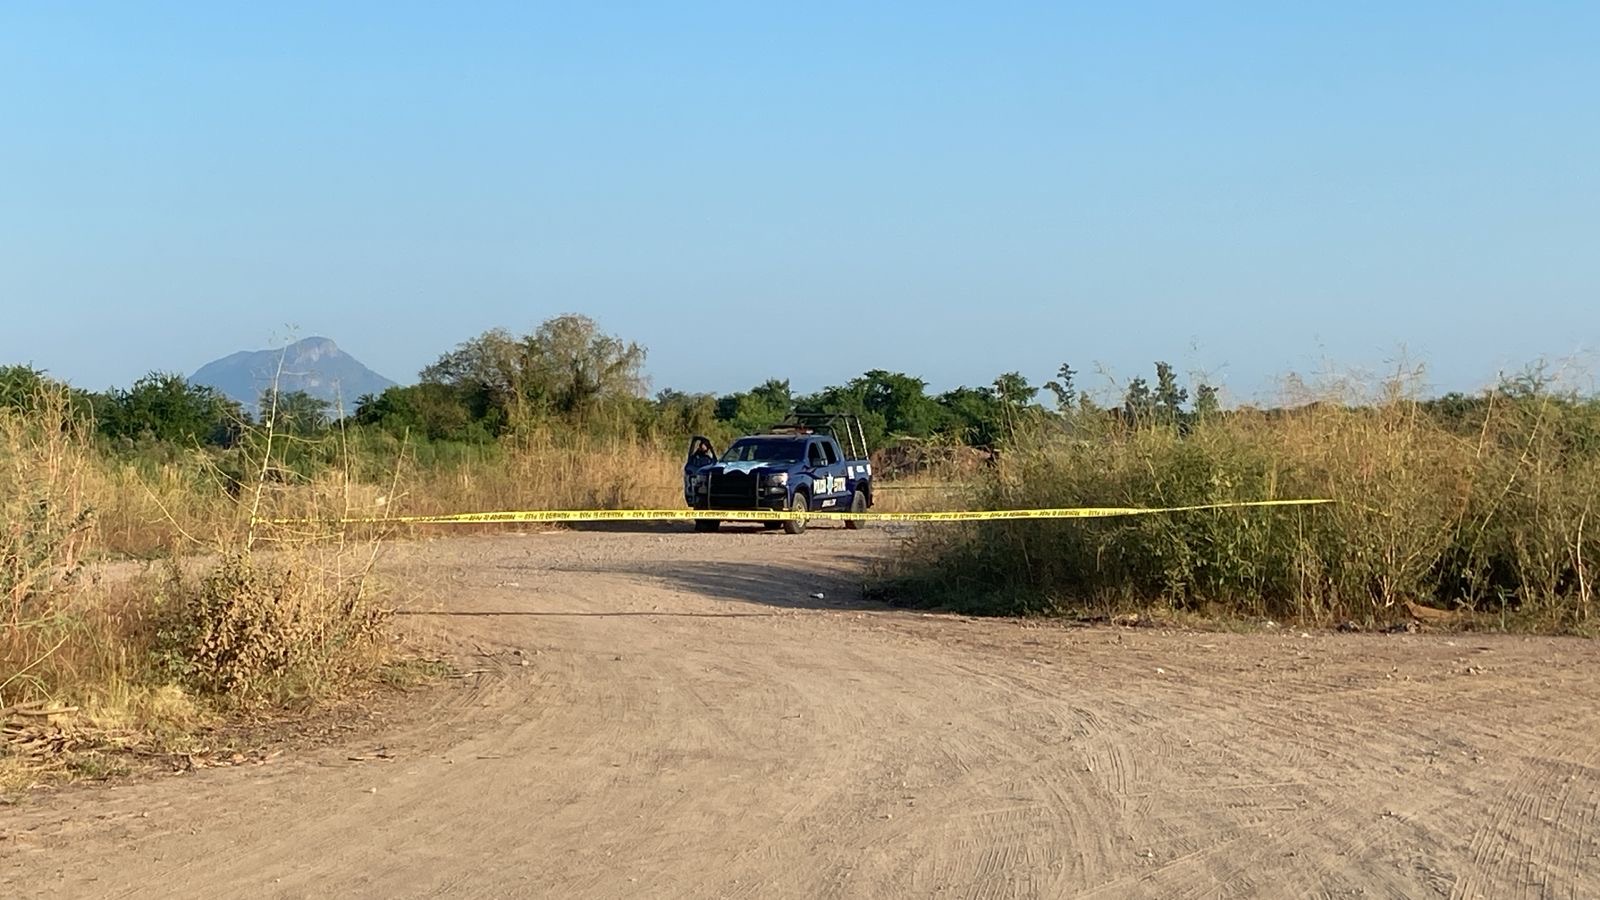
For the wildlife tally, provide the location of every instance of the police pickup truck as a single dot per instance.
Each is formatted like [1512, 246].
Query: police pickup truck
[808, 463]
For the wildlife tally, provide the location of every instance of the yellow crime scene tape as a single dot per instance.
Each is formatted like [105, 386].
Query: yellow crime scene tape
[768, 515]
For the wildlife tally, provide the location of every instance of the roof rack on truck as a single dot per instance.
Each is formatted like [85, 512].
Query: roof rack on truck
[843, 427]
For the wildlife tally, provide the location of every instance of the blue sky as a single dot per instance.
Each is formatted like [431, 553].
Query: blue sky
[951, 190]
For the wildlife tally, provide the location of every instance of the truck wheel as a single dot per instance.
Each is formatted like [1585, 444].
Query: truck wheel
[858, 504]
[704, 526]
[798, 504]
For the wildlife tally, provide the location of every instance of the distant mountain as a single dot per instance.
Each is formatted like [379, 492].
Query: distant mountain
[315, 365]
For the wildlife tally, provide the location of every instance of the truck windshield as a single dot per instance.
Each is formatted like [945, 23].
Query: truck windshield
[765, 451]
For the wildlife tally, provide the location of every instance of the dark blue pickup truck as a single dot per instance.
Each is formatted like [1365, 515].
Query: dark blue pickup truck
[810, 463]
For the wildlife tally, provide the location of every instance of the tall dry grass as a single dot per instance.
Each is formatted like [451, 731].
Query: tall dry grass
[1491, 514]
[191, 502]
[250, 589]
[148, 509]
[547, 470]
[96, 653]
[48, 532]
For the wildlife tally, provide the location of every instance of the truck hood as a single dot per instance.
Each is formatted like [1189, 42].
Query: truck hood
[747, 467]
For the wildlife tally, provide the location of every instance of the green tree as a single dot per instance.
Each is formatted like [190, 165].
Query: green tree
[20, 386]
[852, 399]
[567, 369]
[889, 405]
[679, 414]
[1015, 396]
[902, 401]
[436, 412]
[758, 408]
[1206, 404]
[1064, 388]
[1013, 390]
[576, 370]
[976, 415]
[294, 412]
[164, 406]
[27, 388]
[487, 374]
[1138, 403]
[1169, 397]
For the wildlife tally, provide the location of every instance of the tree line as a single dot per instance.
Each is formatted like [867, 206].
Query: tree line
[570, 374]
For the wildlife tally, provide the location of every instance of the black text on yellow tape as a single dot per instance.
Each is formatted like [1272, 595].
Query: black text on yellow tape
[768, 515]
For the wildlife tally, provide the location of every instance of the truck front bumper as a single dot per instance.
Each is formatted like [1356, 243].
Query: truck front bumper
[773, 502]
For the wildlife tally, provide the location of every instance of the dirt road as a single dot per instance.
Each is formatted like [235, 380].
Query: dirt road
[693, 722]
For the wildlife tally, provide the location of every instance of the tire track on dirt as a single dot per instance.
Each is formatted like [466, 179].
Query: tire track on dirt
[1533, 831]
[692, 722]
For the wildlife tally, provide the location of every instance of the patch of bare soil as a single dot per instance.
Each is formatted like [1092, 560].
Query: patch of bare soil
[658, 713]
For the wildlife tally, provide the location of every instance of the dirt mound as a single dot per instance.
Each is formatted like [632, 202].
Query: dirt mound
[913, 458]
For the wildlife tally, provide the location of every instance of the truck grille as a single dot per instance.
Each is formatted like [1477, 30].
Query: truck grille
[733, 490]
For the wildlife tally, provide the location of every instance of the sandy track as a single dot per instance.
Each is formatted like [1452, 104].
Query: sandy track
[693, 723]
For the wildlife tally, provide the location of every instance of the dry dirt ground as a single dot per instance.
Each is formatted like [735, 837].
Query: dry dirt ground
[692, 721]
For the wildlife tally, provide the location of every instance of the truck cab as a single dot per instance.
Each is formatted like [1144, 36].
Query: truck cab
[798, 465]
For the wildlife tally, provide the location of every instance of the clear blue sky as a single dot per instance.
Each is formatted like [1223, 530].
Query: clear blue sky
[805, 191]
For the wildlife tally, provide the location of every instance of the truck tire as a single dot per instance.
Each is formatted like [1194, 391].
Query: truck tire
[800, 503]
[706, 526]
[858, 504]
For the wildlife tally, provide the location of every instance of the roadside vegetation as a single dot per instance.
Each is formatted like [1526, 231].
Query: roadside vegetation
[1474, 510]
[559, 417]
[146, 598]
[102, 662]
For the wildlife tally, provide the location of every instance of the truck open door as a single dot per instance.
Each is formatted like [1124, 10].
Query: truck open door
[701, 453]
[701, 456]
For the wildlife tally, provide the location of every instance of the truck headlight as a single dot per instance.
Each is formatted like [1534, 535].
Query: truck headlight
[776, 479]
